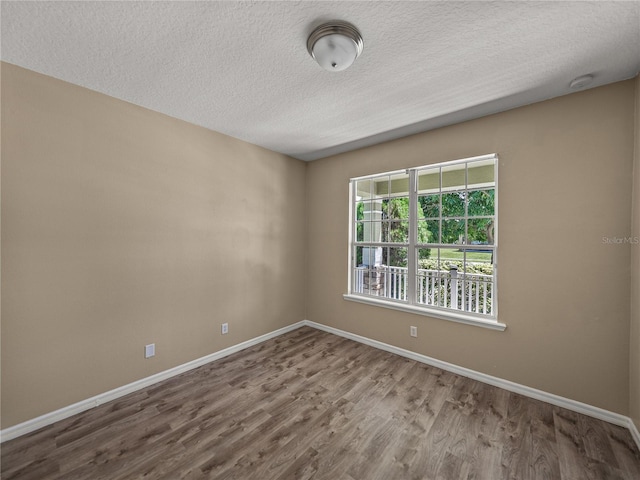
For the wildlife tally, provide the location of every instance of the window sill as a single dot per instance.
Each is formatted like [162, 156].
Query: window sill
[428, 312]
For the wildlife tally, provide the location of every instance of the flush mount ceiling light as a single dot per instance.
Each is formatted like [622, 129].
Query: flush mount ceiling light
[335, 45]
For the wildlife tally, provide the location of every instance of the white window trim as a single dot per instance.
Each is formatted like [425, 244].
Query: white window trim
[490, 322]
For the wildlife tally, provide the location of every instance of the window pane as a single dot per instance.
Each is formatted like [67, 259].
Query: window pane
[431, 280]
[398, 232]
[380, 187]
[360, 210]
[399, 184]
[428, 231]
[384, 208]
[435, 259]
[479, 262]
[392, 185]
[480, 256]
[368, 280]
[429, 180]
[359, 274]
[397, 208]
[369, 256]
[481, 202]
[396, 274]
[384, 231]
[426, 274]
[481, 173]
[453, 204]
[429, 206]
[480, 231]
[365, 231]
[373, 210]
[475, 287]
[450, 257]
[453, 231]
[363, 188]
[454, 177]
[396, 257]
[427, 257]
[369, 231]
[357, 256]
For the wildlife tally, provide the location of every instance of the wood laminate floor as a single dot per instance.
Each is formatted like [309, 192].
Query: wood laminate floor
[311, 405]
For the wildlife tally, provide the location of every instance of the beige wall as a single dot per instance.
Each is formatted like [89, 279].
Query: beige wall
[634, 364]
[565, 183]
[122, 227]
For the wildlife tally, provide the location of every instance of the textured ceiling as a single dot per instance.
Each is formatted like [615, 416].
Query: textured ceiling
[241, 68]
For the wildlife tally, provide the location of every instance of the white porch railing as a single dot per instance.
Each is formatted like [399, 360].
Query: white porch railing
[471, 292]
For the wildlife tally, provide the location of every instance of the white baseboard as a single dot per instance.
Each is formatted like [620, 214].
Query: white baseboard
[65, 412]
[68, 411]
[551, 398]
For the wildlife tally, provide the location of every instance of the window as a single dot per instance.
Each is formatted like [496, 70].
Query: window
[426, 238]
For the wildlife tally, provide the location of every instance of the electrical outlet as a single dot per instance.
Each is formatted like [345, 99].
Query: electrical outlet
[225, 328]
[149, 350]
[413, 331]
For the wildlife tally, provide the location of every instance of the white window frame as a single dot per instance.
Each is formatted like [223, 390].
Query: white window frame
[411, 303]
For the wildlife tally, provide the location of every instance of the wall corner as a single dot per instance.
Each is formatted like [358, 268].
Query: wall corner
[634, 334]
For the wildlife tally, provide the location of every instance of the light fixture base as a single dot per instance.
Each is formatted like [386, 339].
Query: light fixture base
[335, 45]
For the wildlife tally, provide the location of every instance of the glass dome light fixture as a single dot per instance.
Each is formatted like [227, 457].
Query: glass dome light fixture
[335, 45]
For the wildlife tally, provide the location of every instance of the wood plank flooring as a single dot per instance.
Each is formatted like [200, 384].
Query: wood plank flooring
[311, 405]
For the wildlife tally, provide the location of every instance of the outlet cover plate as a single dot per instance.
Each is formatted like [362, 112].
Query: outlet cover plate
[149, 350]
[413, 331]
[225, 328]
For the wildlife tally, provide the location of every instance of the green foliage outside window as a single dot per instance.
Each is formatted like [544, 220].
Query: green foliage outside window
[479, 203]
[431, 223]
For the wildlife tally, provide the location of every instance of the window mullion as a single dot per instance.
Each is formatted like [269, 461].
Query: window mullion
[412, 261]
[353, 216]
